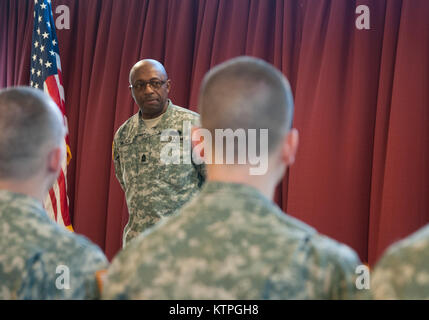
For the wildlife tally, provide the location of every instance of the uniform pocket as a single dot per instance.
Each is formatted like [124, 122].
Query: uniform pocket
[129, 157]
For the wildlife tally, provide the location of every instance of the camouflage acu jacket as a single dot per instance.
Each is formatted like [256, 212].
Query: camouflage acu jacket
[403, 272]
[230, 242]
[40, 259]
[153, 189]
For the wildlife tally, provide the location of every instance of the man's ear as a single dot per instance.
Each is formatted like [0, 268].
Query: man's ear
[168, 85]
[55, 159]
[290, 147]
[132, 94]
[195, 142]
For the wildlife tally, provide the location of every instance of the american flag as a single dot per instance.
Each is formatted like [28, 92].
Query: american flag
[46, 75]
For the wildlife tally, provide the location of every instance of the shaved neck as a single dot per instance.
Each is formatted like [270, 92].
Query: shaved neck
[240, 174]
[29, 187]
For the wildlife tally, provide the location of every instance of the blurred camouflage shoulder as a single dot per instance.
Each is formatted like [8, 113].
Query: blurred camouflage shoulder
[198, 253]
[403, 270]
[34, 248]
[331, 265]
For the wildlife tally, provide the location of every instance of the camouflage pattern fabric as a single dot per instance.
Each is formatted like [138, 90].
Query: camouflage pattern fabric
[154, 190]
[403, 272]
[230, 242]
[33, 249]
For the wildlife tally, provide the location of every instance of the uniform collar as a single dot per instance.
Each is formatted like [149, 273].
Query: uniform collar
[138, 126]
[223, 192]
[233, 189]
[165, 122]
[21, 201]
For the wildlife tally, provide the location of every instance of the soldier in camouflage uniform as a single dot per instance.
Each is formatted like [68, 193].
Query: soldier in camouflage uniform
[232, 241]
[403, 272]
[38, 258]
[152, 188]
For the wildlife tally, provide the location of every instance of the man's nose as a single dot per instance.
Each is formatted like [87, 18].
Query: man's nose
[147, 88]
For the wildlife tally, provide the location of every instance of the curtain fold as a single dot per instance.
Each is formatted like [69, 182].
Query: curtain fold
[402, 204]
[361, 100]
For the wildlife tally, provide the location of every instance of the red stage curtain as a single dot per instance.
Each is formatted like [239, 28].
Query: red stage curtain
[362, 171]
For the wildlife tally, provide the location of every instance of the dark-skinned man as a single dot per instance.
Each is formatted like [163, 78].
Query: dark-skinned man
[154, 188]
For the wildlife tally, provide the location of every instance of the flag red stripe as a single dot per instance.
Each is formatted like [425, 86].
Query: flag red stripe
[63, 199]
[53, 202]
[53, 91]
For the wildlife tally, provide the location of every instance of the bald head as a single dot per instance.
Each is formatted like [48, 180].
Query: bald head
[148, 64]
[30, 125]
[150, 86]
[247, 93]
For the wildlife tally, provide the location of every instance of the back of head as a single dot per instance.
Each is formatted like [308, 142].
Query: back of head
[247, 93]
[30, 126]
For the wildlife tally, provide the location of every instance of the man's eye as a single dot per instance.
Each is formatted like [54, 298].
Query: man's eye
[155, 84]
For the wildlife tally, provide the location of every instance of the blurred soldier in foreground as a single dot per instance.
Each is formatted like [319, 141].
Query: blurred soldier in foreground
[153, 190]
[231, 241]
[403, 271]
[38, 258]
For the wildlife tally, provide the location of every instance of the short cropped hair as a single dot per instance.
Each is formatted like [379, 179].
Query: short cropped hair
[247, 93]
[30, 124]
